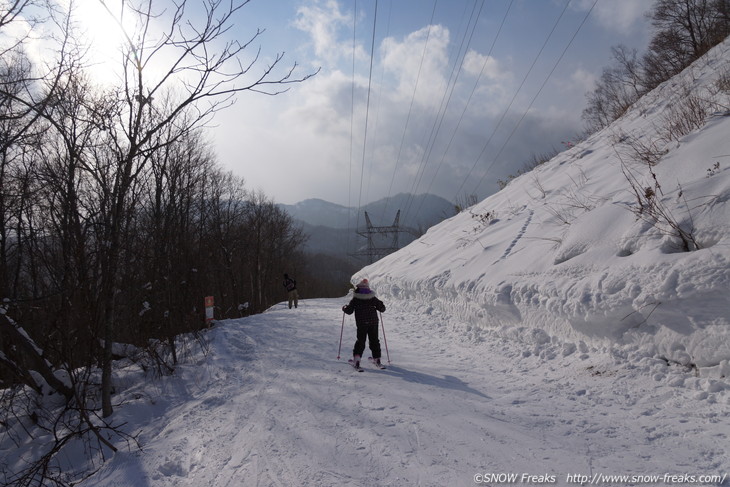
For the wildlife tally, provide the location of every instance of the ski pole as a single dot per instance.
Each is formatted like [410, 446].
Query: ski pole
[385, 340]
[341, 330]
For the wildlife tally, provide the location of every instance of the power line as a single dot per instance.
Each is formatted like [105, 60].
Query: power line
[377, 111]
[448, 92]
[410, 108]
[468, 101]
[367, 113]
[352, 122]
[509, 106]
[537, 94]
[446, 100]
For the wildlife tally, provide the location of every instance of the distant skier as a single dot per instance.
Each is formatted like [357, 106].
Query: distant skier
[365, 305]
[291, 289]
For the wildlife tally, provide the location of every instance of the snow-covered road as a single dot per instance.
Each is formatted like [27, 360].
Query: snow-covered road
[270, 405]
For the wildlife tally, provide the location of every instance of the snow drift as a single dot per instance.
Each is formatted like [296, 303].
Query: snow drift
[563, 260]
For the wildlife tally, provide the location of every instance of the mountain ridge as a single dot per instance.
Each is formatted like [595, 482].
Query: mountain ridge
[417, 211]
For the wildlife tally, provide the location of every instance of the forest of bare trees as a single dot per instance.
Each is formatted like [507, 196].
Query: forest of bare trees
[683, 30]
[115, 218]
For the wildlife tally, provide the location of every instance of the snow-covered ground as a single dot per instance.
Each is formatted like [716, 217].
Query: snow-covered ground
[270, 405]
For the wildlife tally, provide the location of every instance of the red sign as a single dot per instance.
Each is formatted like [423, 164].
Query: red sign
[208, 310]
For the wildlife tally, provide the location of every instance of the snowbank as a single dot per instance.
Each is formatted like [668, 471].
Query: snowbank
[559, 257]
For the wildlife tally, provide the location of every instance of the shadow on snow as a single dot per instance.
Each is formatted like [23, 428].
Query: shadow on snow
[445, 382]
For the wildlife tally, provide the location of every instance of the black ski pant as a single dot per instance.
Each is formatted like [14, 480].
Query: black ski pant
[367, 331]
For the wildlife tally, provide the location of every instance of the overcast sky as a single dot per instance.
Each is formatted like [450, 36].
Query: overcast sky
[437, 96]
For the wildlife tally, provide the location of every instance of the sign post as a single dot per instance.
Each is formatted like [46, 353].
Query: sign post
[208, 310]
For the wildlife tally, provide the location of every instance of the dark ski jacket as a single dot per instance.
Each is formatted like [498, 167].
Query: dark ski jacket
[290, 284]
[365, 305]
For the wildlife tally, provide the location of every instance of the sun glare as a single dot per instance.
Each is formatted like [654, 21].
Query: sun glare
[103, 34]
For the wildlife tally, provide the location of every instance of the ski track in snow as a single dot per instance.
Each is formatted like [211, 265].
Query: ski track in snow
[270, 405]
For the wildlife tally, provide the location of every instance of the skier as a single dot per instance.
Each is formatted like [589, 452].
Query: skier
[291, 289]
[365, 305]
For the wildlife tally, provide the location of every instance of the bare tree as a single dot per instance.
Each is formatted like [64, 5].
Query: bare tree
[696, 23]
[26, 93]
[171, 84]
[110, 200]
[620, 85]
[684, 31]
[13, 11]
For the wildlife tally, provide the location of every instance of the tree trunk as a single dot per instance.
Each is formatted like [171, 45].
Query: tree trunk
[34, 355]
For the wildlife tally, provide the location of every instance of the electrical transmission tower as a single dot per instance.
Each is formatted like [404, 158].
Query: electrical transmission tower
[381, 241]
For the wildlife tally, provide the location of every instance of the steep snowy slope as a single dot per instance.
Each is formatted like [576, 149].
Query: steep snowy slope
[561, 255]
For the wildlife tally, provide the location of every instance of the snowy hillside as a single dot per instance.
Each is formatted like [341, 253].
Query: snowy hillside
[558, 260]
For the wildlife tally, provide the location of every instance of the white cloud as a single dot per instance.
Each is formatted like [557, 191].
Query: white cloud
[485, 66]
[582, 81]
[620, 16]
[323, 21]
[405, 60]
[491, 94]
[316, 147]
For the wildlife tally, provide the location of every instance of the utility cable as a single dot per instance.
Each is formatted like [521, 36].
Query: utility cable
[410, 109]
[514, 97]
[445, 101]
[468, 101]
[352, 123]
[377, 110]
[367, 114]
[536, 94]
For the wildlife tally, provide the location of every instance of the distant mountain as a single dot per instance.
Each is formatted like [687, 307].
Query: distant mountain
[320, 212]
[332, 228]
[420, 211]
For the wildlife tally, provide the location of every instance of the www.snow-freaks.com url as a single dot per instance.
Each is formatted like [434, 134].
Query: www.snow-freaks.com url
[600, 479]
[665, 478]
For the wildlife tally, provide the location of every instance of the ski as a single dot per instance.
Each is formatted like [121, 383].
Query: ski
[380, 366]
[356, 367]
